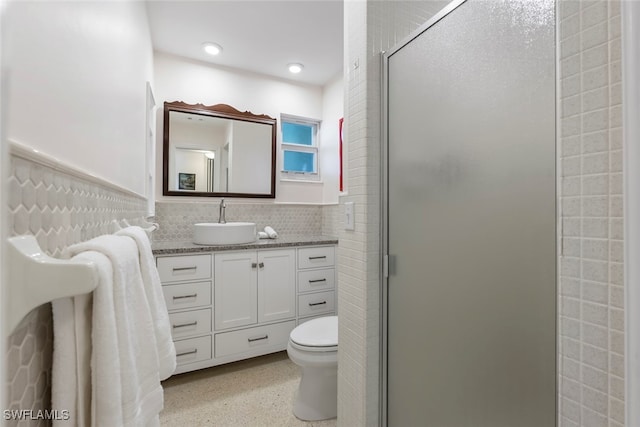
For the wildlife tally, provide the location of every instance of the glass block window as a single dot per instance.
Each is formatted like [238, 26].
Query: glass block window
[299, 148]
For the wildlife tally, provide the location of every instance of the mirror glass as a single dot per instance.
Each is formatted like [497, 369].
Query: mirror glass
[218, 151]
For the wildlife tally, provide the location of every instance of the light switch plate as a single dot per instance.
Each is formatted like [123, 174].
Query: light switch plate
[349, 219]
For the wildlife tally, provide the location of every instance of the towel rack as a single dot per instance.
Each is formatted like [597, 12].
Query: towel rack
[36, 278]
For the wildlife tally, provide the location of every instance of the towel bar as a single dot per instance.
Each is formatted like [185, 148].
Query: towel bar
[36, 278]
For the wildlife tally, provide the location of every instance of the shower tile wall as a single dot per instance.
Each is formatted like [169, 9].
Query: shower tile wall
[591, 302]
[59, 210]
[176, 218]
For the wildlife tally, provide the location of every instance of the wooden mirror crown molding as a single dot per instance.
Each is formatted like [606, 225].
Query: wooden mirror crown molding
[217, 109]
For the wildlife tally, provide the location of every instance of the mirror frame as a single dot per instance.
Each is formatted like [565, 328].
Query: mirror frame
[223, 111]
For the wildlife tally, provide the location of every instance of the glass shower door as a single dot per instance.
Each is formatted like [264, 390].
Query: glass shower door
[471, 302]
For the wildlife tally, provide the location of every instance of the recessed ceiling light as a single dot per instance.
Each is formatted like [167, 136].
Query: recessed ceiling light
[212, 48]
[295, 68]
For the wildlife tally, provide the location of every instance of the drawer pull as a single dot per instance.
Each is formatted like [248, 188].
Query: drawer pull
[194, 351]
[254, 264]
[185, 296]
[184, 325]
[184, 268]
[261, 265]
[318, 257]
[317, 280]
[258, 339]
[312, 304]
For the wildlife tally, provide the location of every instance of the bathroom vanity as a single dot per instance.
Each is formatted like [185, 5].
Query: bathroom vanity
[228, 303]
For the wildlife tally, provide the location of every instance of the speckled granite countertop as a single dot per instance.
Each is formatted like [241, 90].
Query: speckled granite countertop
[170, 248]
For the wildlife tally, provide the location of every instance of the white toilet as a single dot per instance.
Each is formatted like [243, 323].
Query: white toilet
[313, 346]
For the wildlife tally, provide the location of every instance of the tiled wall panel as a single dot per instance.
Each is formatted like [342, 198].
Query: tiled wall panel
[331, 220]
[176, 218]
[60, 210]
[591, 300]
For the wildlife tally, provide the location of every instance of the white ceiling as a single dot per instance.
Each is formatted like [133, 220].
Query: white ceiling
[261, 36]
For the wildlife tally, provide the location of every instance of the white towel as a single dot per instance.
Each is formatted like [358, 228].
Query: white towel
[155, 297]
[71, 373]
[126, 388]
[270, 232]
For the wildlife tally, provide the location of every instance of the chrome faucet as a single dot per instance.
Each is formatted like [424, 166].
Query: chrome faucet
[221, 218]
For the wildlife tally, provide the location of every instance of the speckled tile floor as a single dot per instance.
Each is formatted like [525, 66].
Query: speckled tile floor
[251, 393]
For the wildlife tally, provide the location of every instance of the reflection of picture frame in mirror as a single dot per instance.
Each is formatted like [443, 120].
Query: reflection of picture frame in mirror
[186, 181]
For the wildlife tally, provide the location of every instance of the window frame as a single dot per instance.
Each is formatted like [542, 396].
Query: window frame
[301, 148]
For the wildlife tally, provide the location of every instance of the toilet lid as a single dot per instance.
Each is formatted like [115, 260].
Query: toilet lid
[320, 332]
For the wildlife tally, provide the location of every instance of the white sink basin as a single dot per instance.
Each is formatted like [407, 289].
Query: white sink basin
[213, 233]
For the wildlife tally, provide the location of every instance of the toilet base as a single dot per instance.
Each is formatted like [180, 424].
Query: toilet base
[316, 398]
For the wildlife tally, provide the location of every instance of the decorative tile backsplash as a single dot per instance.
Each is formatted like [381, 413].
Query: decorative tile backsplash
[177, 218]
[331, 220]
[60, 210]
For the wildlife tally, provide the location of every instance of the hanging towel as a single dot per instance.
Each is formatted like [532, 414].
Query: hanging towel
[125, 378]
[155, 297]
[71, 373]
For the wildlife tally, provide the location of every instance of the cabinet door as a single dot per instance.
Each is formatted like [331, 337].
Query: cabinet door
[235, 289]
[276, 285]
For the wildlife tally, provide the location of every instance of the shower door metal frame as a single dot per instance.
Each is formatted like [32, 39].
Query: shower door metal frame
[384, 189]
[631, 168]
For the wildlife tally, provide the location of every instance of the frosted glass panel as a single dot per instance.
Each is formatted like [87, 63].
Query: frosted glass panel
[293, 133]
[297, 161]
[471, 303]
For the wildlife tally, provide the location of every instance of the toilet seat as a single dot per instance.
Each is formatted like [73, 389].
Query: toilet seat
[319, 334]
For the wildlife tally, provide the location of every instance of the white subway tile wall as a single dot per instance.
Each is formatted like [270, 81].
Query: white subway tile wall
[59, 210]
[591, 300]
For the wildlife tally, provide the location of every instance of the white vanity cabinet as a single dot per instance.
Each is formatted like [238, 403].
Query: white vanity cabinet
[187, 288]
[316, 282]
[234, 304]
[254, 288]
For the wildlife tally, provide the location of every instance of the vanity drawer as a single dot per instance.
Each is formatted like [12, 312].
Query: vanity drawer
[316, 280]
[193, 350]
[187, 295]
[188, 267]
[318, 303]
[321, 256]
[274, 336]
[190, 323]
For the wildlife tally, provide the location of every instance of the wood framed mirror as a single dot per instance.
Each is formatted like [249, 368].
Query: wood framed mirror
[218, 151]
